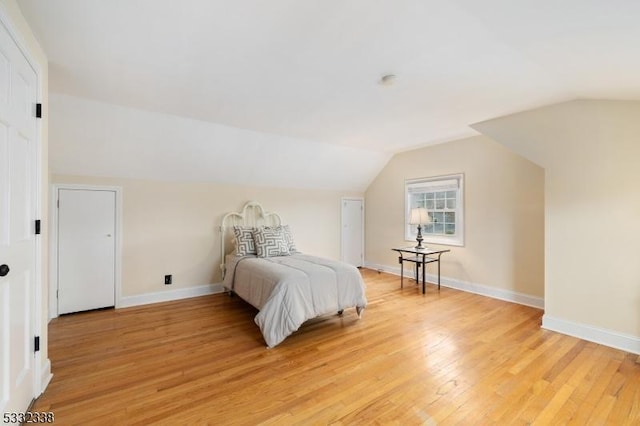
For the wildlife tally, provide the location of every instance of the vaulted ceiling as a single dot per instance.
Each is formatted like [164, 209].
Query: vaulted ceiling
[310, 70]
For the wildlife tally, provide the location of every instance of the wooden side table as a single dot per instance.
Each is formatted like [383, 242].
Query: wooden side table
[419, 257]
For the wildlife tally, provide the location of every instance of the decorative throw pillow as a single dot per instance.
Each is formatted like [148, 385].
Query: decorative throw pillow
[244, 240]
[270, 242]
[288, 236]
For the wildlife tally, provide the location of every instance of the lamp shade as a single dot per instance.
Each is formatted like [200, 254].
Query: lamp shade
[419, 216]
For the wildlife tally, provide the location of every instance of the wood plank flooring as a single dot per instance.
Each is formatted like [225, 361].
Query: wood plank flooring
[446, 358]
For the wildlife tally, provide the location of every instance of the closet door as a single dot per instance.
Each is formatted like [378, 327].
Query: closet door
[86, 249]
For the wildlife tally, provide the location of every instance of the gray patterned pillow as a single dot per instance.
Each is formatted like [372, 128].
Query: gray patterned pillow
[270, 242]
[244, 240]
[288, 236]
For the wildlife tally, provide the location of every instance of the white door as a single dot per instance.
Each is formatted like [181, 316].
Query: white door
[86, 249]
[353, 231]
[18, 189]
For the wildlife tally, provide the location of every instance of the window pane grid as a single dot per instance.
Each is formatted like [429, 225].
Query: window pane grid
[442, 211]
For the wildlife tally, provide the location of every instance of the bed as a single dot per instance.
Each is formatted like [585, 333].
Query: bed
[261, 265]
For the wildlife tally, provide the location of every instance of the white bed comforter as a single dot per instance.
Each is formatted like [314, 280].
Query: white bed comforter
[289, 290]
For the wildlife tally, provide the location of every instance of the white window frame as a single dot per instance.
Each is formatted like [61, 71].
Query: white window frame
[447, 182]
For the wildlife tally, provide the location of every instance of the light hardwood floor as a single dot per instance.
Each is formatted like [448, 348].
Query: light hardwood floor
[445, 357]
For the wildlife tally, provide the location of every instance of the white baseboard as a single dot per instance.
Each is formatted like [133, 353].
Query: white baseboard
[483, 290]
[625, 342]
[168, 296]
[45, 376]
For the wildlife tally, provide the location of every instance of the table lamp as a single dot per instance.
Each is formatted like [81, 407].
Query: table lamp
[419, 216]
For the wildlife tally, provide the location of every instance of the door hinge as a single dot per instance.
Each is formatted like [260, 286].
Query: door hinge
[58, 203]
[38, 110]
[36, 344]
[38, 227]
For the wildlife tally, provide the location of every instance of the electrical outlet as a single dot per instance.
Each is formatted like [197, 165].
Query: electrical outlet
[167, 279]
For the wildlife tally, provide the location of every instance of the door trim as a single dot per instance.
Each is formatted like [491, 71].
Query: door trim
[342, 200]
[41, 369]
[53, 242]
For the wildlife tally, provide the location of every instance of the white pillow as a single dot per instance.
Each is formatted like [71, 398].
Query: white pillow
[289, 237]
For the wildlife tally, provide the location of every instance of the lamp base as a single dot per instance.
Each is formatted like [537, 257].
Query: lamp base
[419, 238]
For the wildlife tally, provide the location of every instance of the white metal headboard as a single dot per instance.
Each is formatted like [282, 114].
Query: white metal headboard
[252, 214]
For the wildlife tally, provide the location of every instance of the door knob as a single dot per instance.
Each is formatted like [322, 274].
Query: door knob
[4, 270]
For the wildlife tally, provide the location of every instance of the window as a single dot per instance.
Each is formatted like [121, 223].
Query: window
[443, 198]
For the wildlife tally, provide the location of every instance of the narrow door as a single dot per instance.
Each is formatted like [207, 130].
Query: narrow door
[86, 249]
[18, 190]
[353, 231]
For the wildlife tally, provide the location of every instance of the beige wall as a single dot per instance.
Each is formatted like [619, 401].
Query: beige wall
[38, 59]
[590, 151]
[172, 228]
[504, 213]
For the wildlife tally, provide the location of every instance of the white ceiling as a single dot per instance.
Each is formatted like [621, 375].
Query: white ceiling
[310, 69]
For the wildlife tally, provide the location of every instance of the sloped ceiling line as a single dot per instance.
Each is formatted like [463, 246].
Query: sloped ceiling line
[307, 73]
